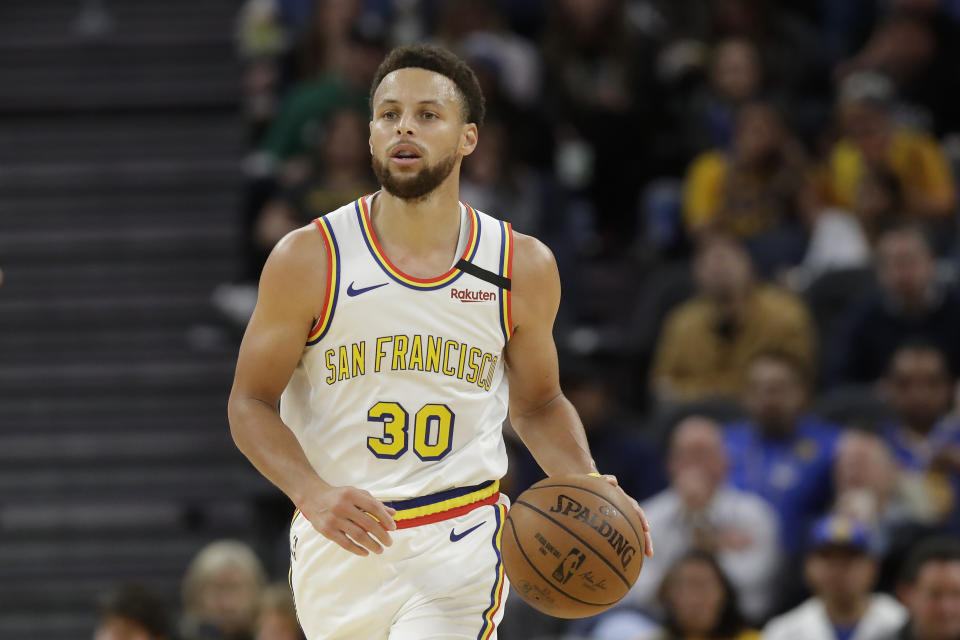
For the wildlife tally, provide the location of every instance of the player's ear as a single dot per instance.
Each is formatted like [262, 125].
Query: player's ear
[468, 139]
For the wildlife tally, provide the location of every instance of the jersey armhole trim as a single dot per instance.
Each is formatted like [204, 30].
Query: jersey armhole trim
[506, 271]
[322, 325]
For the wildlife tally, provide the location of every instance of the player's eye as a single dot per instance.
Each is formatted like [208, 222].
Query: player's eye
[389, 115]
[429, 115]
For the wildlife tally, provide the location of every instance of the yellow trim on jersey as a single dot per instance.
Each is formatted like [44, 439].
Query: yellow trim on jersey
[446, 505]
[488, 615]
[393, 271]
[333, 270]
[505, 300]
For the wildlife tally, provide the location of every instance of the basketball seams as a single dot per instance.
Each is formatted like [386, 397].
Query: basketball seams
[582, 541]
[599, 495]
[530, 564]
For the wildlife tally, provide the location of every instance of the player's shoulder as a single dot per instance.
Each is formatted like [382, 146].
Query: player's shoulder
[298, 260]
[533, 261]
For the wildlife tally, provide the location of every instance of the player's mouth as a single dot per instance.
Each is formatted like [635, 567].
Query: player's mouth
[405, 155]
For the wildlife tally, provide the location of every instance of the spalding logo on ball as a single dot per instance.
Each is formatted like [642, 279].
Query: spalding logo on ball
[572, 546]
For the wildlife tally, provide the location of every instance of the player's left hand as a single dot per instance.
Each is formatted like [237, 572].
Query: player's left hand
[647, 540]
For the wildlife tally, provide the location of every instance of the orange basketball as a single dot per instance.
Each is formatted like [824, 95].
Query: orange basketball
[572, 546]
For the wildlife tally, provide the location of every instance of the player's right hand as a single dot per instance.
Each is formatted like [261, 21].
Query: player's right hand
[349, 517]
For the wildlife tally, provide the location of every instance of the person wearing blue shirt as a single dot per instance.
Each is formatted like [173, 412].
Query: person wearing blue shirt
[780, 452]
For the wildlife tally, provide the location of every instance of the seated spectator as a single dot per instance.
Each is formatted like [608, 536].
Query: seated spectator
[924, 439]
[841, 572]
[132, 612]
[930, 588]
[873, 142]
[751, 191]
[278, 615]
[870, 488]
[338, 173]
[700, 603]
[221, 592]
[782, 453]
[700, 511]
[708, 342]
[909, 304]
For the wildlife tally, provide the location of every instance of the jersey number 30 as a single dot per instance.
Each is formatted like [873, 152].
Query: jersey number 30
[432, 431]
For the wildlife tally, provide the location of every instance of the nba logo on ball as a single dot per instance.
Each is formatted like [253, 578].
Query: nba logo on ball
[572, 546]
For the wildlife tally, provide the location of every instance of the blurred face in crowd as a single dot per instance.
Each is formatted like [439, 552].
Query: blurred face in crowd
[863, 466]
[117, 628]
[934, 601]
[345, 143]
[487, 163]
[868, 126]
[905, 267]
[840, 575]
[230, 599]
[736, 69]
[758, 135]
[418, 133]
[722, 270]
[918, 388]
[592, 401]
[697, 462]
[775, 396]
[694, 595]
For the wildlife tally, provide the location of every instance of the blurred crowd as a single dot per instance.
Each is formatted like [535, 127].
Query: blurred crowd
[753, 205]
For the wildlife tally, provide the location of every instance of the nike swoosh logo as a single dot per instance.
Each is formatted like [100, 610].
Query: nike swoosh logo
[454, 536]
[355, 292]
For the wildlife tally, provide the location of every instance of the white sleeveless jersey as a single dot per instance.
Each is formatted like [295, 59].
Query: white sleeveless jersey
[401, 389]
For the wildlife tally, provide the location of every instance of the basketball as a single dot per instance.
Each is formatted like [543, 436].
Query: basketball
[572, 546]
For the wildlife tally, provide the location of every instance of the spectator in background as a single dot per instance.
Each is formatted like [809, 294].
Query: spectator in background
[278, 615]
[339, 172]
[751, 191]
[874, 142]
[708, 342]
[930, 588]
[841, 572]
[924, 440]
[735, 78]
[910, 304]
[132, 612]
[700, 511]
[782, 453]
[700, 603]
[221, 593]
[870, 489]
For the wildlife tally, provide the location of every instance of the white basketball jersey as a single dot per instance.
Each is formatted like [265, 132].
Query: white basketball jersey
[401, 389]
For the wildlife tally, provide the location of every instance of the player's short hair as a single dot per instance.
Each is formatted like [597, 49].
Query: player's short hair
[442, 61]
[939, 549]
[140, 605]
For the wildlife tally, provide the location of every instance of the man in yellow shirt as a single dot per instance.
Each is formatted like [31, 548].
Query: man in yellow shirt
[708, 342]
[874, 143]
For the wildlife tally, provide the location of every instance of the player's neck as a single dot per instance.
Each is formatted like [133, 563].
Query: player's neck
[425, 225]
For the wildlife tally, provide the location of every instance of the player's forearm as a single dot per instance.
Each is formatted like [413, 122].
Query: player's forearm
[262, 436]
[554, 435]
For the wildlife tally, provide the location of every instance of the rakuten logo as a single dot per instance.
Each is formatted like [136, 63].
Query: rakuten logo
[465, 295]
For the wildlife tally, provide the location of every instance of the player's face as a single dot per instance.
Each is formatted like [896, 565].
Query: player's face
[418, 134]
[934, 601]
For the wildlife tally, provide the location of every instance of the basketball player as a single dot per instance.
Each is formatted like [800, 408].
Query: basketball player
[372, 380]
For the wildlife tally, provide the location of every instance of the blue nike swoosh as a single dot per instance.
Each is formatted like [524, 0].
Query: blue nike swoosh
[454, 536]
[355, 292]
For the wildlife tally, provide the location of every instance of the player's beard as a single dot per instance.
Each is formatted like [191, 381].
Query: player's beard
[413, 188]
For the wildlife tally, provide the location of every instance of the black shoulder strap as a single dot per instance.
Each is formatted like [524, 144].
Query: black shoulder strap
[483, 274]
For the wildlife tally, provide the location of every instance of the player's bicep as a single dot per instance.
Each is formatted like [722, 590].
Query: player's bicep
[290, 290]
[531, 354]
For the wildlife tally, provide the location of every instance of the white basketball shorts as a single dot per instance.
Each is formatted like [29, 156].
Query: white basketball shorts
[443, 580]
